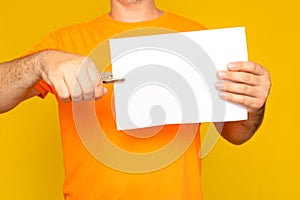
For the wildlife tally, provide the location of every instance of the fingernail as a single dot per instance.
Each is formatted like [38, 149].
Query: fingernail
[221, 74]
[231, 66]
[222, 94]
[220, 86]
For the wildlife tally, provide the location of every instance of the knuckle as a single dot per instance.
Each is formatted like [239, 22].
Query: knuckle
[77, 98]
[261, 102]
[88, 97]
[87, 59]
[242, 100]
[253, 66]
[269, 85]
[244, 88]
[225, 87]
[268, 82]
[76, 93]
[229, 97]
[228, 87]
[89, 94]
[88, 62]
[228, 75]
[246, 77]
[258, 104]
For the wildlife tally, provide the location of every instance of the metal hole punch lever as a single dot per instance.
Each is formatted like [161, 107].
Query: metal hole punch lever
[107, 77]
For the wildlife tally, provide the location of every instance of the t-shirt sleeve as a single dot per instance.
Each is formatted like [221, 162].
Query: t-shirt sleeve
[49, 42]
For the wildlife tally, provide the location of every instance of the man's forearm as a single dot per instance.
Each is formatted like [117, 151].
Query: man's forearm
[247, 84]
[239, 132]
[73, 77]
[17, 78]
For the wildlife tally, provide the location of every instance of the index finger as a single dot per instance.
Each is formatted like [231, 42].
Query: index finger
[94, 74]
[250, 67]
[96, 78]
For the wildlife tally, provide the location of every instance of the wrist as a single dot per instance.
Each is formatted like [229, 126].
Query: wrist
[258, 111]
[40, 62]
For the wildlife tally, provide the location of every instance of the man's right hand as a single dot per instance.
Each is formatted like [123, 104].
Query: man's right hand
[74, 77]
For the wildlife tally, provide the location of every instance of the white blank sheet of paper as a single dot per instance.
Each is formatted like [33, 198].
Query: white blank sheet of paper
[170, 78]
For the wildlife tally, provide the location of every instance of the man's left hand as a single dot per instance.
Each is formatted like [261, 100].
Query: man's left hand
[245, 83]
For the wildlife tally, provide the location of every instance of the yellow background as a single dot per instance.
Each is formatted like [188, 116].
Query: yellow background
[267, 167]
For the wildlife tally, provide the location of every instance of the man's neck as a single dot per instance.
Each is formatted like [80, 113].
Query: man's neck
[134, 11]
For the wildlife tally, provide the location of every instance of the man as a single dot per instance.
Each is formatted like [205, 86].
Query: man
[53, 65]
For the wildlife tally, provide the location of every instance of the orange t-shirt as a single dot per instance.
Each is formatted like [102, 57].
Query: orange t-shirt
[88, 178]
